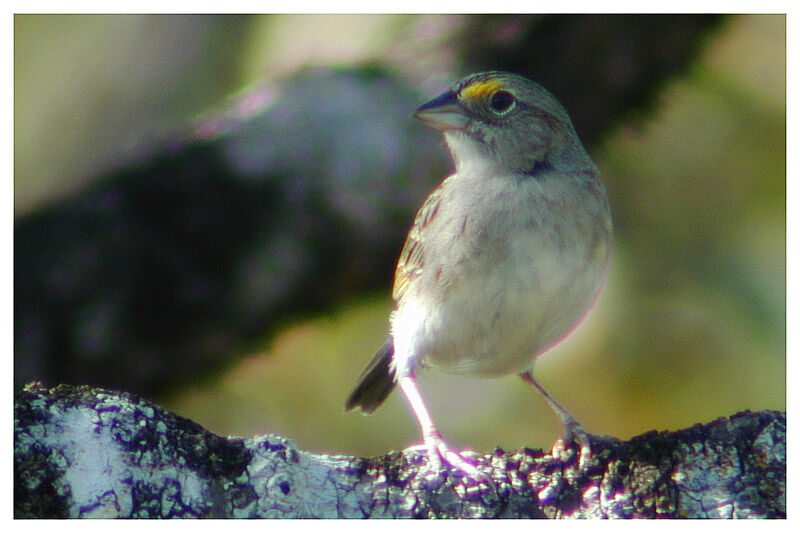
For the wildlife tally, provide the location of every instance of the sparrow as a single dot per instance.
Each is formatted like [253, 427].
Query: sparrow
[505, 257]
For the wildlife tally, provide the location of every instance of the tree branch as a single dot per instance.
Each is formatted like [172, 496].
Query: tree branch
[89, 452]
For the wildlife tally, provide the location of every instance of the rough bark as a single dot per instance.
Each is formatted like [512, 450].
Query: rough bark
[88, 452]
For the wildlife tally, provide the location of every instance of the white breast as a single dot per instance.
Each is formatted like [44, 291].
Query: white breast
[508, 273]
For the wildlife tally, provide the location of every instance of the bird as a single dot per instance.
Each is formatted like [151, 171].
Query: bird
[505, 257]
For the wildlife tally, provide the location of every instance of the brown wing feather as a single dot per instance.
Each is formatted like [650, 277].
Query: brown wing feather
[412, 259]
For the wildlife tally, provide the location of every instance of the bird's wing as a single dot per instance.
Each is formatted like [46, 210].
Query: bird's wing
[412, 257]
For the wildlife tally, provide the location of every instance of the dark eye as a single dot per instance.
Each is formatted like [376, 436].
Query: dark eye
[501, 102]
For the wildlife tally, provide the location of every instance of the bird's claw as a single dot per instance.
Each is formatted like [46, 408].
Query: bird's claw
[437, 453]
[574, 434]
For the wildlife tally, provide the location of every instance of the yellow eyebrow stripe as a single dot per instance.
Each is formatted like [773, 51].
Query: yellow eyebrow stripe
[481, 88]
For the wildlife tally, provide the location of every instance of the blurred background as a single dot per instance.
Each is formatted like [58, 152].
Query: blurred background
[208, 210]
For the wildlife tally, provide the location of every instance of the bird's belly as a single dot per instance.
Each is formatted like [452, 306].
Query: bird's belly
[519, 272]
[498, 324]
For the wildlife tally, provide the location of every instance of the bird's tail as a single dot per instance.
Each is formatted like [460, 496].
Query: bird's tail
[375, 383]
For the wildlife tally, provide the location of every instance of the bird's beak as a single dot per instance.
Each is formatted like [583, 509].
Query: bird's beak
[443, 112]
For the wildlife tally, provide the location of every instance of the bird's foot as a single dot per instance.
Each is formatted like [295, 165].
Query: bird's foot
[574, 434]
[438, 453]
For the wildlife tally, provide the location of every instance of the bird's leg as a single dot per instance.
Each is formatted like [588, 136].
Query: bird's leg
[573, 431]
[436, 447]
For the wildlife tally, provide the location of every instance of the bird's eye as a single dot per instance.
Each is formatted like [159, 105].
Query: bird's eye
[501, 102]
